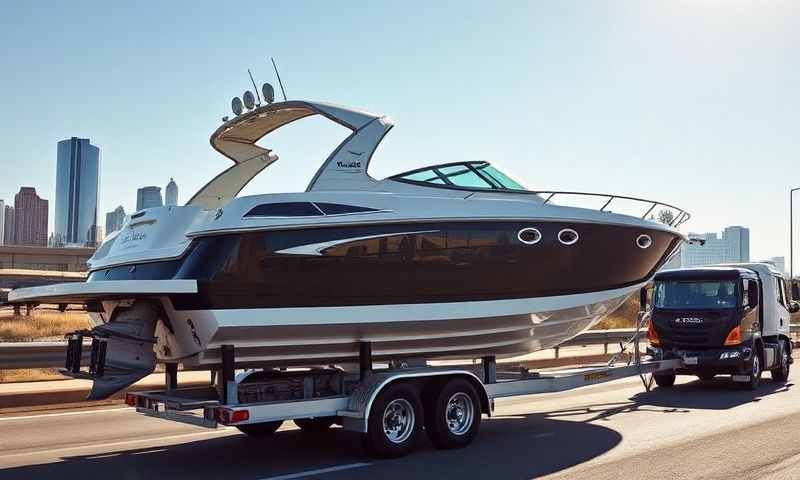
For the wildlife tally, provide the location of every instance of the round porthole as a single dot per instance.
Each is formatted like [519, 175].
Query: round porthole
[568, 236]
[529, 236]
[644, 241]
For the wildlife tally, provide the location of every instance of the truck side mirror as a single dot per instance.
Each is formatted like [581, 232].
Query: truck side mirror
[643, 299]
[794, 307]
[795, 290]
[752, 294]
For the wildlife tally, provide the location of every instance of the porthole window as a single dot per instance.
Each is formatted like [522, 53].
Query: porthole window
[644, 241]
[529, 236]
[568, 236]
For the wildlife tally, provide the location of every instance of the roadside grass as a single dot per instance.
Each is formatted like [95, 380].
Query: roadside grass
[623, 317]
[41, 325]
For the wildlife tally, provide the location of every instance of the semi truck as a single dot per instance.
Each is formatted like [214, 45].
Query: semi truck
[723, 320]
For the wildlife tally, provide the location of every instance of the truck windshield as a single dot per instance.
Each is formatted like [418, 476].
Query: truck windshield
[695, 294]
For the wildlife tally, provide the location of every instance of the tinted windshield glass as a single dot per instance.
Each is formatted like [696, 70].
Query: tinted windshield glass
[471, 175]
[709, 294]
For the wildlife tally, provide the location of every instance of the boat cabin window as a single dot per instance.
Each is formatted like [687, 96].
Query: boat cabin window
[696, 294]
[465, 175]
[305, 209]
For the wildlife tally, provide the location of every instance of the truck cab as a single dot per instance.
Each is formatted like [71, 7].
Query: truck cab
[723, 320]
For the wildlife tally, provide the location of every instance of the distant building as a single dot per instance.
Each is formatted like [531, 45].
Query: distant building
[77, 183]
[115, 219]
[171, 193]
[8, 227]
[30, 218]
[732, 247]
[2, 221]
[148, 197]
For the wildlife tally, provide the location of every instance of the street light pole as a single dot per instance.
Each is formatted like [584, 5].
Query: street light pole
[791, 234]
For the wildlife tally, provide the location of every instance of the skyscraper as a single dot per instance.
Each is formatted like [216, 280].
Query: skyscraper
[148, 197]
[115, 219]
[30, 218]
[732, 247]
[77, 181]
[2, 221]
[171, 193]
[8, 229]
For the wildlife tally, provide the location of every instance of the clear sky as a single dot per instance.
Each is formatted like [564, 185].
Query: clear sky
[689, 102]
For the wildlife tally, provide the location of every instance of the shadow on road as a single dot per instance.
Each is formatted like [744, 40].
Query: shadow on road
[508, 447]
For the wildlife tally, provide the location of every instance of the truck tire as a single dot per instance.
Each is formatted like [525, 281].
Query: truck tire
[452, 419]
[314, 425]
[260, 429]
[395, 420]
[754, 374]
[781, 374]
[664, 380]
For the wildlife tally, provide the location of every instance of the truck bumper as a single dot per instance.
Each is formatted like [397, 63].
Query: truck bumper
[721, 361]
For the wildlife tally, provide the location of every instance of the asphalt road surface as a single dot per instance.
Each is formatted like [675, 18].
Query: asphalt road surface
[610, 431]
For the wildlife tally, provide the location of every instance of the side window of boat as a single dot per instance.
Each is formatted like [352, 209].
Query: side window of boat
[339, 209]
[284, 209]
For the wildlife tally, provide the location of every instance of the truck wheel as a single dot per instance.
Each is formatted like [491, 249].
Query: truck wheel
[314, 425]
[394, 422]
[260, 429]
[453, 418]
[664, 380]
[755, 373]
[781, 374]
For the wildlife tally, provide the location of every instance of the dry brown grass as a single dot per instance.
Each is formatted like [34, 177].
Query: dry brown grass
[30, 375]
[42, 324]
[624, 317]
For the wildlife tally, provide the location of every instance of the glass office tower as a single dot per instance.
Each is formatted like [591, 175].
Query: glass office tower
[77, 181]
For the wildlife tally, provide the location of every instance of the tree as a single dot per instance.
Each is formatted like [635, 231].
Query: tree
[666, 216]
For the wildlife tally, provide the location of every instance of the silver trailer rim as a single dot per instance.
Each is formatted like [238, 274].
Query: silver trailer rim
[460, 413]
[398, 420]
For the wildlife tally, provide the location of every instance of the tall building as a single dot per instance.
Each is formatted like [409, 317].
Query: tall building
[2, 221]
[30, 218]
[115, 219]
[8, 228]
[171, 193]
[77, 181]
[732, 247]
[148, 197]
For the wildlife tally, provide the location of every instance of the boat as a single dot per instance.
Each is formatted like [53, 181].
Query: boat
[451, 261]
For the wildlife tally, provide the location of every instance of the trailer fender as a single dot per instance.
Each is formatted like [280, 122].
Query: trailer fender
[356, 417]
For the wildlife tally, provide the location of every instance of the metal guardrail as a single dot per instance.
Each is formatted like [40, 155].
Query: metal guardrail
[52, 354]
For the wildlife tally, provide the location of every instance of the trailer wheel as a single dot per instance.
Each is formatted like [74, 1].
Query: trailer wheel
[260, 429]
[394, 422]
[664, 380]
[754, 374]
[453, 418]
[314, 425]
[781, 374]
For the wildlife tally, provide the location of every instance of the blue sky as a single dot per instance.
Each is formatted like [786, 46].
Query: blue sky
[689, 102]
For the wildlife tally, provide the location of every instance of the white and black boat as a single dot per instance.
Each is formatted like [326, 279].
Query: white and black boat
[451, 261]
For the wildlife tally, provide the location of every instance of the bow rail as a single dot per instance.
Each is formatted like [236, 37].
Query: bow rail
[680, 215]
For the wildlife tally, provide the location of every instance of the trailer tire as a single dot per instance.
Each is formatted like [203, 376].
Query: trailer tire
[260, 429]
[453, 418]
[781, 374]
[394, 423]
[314, 425]
[664, 380]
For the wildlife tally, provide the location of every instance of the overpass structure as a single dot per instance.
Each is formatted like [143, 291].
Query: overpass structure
[62, 259]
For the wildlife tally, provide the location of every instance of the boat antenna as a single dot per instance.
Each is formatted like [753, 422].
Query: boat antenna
[254, 86]
[279, 78]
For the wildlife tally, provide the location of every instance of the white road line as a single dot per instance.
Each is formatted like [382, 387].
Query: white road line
[320, 471]
[543, 435]
[65, 414]
[116, 444]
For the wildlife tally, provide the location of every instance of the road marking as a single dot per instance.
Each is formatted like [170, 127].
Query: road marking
[65, 414]
[116, 444]
[320, 471]
[543, 435]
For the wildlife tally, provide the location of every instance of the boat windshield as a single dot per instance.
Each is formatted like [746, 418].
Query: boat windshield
[464, 175]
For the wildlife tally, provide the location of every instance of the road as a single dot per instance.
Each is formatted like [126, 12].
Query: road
[609, 431]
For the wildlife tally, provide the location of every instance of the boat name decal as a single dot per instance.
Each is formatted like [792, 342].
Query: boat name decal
[133, 237]
[348, 164]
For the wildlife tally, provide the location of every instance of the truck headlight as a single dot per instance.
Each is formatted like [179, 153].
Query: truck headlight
[732, 354]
